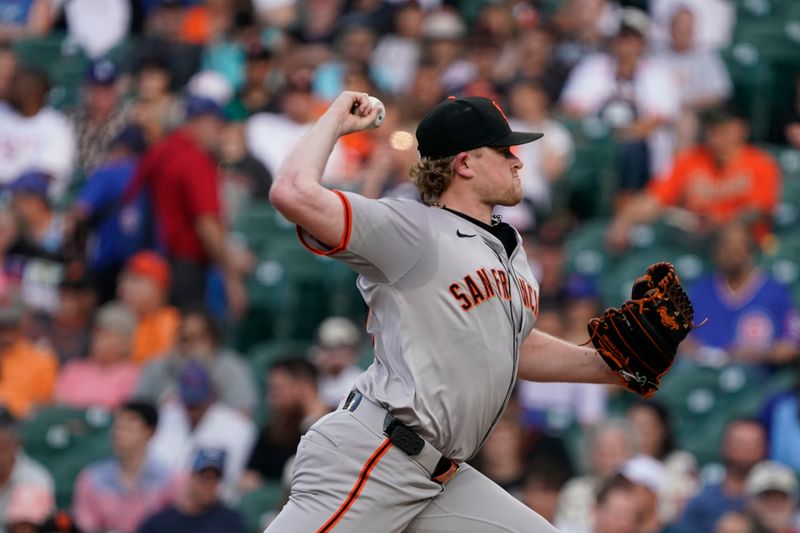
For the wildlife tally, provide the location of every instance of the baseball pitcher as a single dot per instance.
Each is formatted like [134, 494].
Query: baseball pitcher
[452, 310]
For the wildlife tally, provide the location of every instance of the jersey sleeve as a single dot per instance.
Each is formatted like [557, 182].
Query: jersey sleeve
[382, 239]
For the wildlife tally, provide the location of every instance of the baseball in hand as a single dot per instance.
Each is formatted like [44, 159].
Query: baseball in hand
[374, 102]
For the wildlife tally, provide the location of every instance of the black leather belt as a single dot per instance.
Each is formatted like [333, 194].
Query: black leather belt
[406, 439]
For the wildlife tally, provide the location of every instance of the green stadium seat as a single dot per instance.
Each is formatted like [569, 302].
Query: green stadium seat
[259, 506]
[704, 399]
[65, 440]
[584, 248]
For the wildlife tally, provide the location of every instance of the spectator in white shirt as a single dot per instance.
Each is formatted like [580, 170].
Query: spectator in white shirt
[271, 135]
[32, 135]
[715, 21]
[97, 26]
[399, 52]
[196, 420]
[635, 95]
[700, 74]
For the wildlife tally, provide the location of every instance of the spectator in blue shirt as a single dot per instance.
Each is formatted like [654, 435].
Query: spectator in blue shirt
[743, 446]
[200, 510]
[753, 317]
[781, 416]
[119, 229]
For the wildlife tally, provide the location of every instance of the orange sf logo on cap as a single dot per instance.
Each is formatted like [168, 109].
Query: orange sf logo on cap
[501, 111]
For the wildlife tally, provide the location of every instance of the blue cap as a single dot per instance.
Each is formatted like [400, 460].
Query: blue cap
[199, 105]
[194, 385]
[209, 458]
[102, 72]
[131, 136]
[32, 182]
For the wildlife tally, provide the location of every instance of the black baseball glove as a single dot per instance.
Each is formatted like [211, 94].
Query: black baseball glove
[639, 340]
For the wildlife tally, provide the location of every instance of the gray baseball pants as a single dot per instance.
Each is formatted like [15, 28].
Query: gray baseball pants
[348, 477]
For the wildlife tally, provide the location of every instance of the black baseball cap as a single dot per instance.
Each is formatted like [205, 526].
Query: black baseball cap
[460, 124]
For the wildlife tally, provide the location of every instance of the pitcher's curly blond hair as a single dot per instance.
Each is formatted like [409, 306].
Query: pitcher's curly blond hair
[432, 177]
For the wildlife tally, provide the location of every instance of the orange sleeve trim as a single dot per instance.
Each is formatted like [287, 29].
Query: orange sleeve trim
[359, 485]
[346, 232]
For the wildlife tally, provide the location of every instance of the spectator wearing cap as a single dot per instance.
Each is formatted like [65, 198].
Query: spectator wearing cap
[200, 338]
[743, 446]
[28, 508]
[116, 230]
[27, 372]
[648, 477]
[294, 405]
[143, 287]
[107, 377]
[181, 179]
[635, 95]
[195, 419]
[772, 495]
[17, 469]
[42, 226]
[34, 136]
[200, 509]
[722, 180]
[270, 135]
[755, 321]
[37, 259]
[335, 355]
[702, 76]
[100, 116]
[118, 493]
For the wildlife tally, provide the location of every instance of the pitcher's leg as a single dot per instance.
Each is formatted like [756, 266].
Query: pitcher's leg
[472, 503]
[348, 479]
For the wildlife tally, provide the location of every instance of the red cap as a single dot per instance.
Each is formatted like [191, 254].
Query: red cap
[150, 265]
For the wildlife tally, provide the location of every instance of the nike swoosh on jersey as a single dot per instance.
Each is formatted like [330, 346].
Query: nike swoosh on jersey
[463, 235]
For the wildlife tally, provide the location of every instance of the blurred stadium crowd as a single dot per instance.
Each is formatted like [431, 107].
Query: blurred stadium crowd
[165, 340]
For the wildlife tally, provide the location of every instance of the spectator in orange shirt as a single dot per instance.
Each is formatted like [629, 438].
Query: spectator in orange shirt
[722, 180]
[27, 373]
[144, 286]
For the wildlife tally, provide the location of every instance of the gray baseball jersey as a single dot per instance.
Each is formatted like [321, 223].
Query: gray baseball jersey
[448, 312]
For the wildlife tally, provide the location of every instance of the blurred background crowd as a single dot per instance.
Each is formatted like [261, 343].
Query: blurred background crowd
[165, 340]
